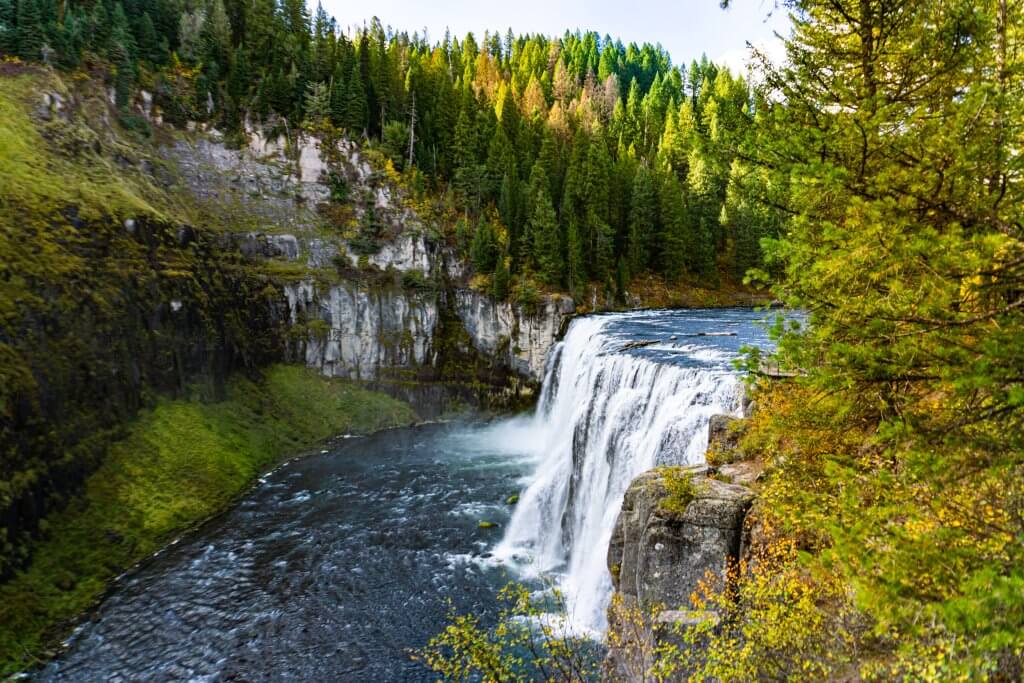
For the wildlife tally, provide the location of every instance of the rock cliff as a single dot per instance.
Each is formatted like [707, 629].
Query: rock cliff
[661, 549]
[161, 261]
[382, 314]
[658, 556]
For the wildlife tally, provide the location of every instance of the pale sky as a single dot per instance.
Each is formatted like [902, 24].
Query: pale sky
[686, 28]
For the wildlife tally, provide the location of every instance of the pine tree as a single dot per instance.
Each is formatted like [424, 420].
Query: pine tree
[575, 269]
[339, 99]
[8, 27]
[642, 218]
[237, 87]
[678, 245]
[123, 82]
[318, 103]
[216, 35]
[546, 241]
[464, 236]
[30, 36]
[500, 280]
[466, 179]
[149, 45]
[355, 118]
[500, 162]
[599, 237]
[122, 49]
[484, 250]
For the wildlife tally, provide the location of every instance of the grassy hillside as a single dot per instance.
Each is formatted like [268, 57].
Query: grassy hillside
[181, 462]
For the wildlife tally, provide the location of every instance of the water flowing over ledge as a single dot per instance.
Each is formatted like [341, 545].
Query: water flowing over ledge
[612, 406]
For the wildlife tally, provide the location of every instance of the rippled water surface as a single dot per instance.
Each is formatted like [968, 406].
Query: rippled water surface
[328, 571]
[339, 563]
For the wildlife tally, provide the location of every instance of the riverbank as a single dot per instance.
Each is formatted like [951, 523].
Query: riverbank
[179, 464]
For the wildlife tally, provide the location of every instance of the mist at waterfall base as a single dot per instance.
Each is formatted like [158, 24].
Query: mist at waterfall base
[338, 564]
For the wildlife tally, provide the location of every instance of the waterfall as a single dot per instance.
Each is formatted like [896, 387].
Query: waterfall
[605, 415]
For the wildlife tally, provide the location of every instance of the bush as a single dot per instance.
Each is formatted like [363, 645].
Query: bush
[678, 483]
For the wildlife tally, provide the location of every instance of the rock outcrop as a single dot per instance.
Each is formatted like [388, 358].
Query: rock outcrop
[661, 550]
[658, 557]
[724, 433]
[367, 316]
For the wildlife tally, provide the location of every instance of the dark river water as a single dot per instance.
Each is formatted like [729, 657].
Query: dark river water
[337, 564]
[330, 570]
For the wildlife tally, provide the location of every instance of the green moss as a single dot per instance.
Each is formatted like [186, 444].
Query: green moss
[487, 525]
[180, 463]
[513, 499]
[48, 167]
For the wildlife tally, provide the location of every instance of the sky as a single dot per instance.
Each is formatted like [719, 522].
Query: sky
[686, 28]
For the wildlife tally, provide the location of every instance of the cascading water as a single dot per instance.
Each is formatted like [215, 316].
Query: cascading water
[617, 400]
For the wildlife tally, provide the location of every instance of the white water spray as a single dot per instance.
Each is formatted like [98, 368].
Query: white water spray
[605, 416]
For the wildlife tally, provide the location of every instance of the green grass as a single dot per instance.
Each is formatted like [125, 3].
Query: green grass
[181, 463]
[43, 174]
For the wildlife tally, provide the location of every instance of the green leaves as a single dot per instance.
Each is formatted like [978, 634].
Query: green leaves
[895, 134]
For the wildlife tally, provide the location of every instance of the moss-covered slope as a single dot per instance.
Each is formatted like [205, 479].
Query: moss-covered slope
[104, 297]
[180, 463]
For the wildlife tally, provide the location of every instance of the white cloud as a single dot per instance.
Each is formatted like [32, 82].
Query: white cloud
[738, 60]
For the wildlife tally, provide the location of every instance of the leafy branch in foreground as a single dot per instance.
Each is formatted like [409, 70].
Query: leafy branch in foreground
[529, 642]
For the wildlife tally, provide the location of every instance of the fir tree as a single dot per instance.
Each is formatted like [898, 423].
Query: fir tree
[642, 216]
[8, 27]
[484, 250]
[546, 242]
[678, 244]
[339, 100]
[355, 103]
[30, 36]
[500, 280]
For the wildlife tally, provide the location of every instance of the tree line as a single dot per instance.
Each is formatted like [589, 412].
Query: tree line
[575, 159]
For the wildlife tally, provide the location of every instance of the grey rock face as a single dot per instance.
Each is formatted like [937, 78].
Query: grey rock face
[406, 252]
[724, 432]
[366, 326]
[370, 329]
[519, 338]
[270, 246]
[659, 557]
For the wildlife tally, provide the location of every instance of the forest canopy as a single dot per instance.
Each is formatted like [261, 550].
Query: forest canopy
[581, 159]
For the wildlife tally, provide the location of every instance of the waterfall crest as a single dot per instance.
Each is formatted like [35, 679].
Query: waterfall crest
[605, 415]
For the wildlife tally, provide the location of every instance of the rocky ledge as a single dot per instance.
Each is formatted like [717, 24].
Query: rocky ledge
[658, 555]
[664, 545]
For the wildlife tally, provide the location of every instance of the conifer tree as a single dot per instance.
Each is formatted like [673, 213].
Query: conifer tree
[500, 280]
[678, 244]
[642, 217]
[484, 250]
[575, 268]
[355, 119]
[8, 27]
[339, 98]
[466, 179]
[543, 230]
[30, 36]
[150, 47]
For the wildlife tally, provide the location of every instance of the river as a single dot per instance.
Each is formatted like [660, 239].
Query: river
[337, 564]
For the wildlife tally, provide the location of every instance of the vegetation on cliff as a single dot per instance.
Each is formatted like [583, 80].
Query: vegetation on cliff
[104, 297]
[572, 160]
[179, 463]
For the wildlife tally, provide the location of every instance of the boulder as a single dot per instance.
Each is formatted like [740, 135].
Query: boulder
[660, 557]
[724, 432]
